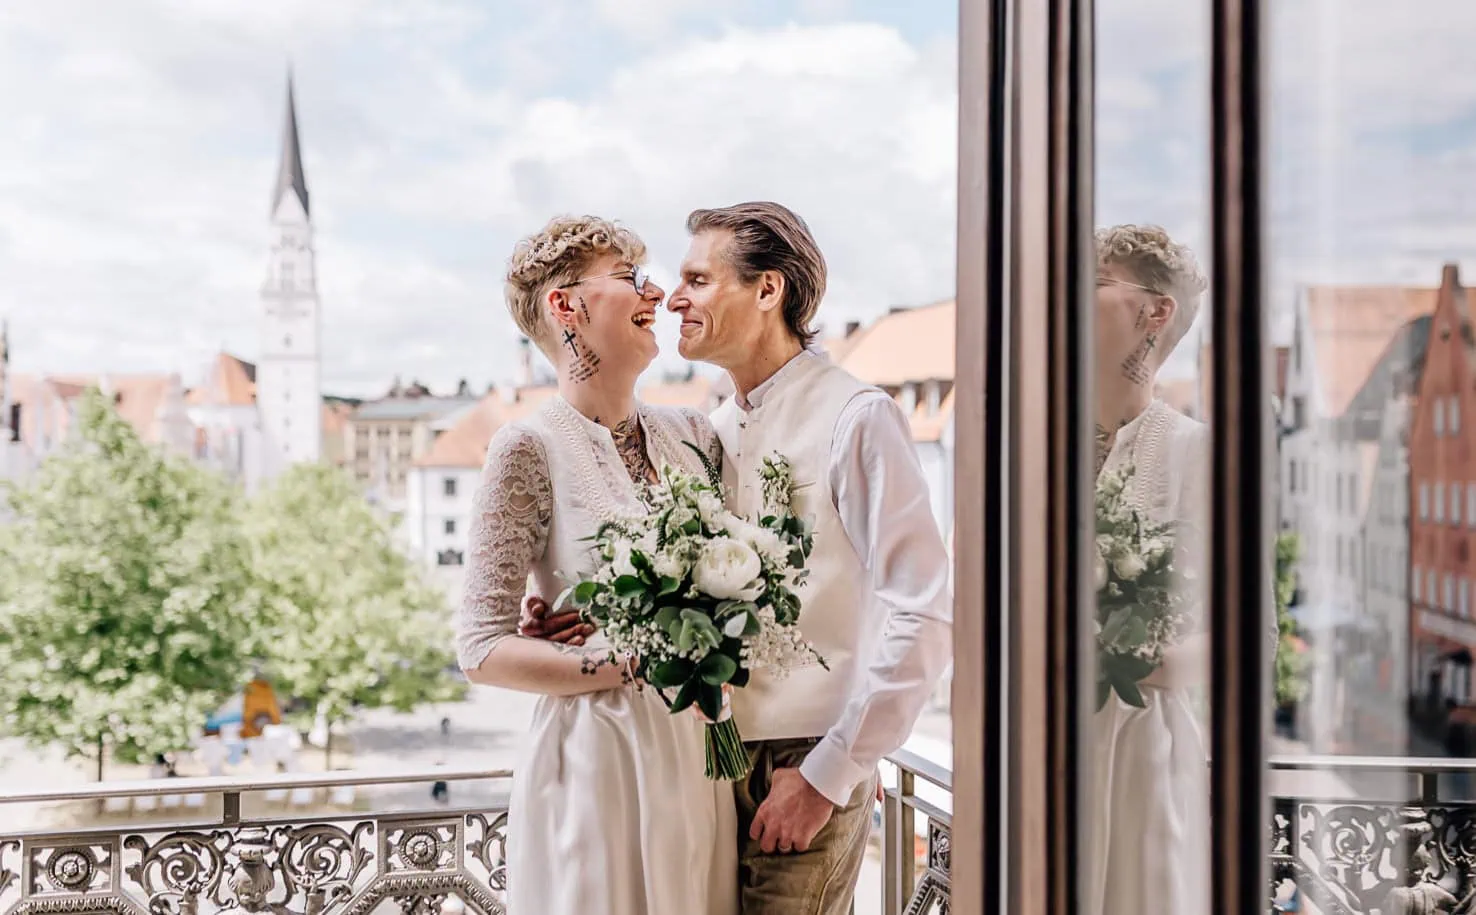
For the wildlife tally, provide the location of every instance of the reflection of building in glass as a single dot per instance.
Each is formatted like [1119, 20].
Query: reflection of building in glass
[1355, 356]
[1443, 505]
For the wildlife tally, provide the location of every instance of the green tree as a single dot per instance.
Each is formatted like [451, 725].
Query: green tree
[352, 622]
[1291, 673]
[125, 596]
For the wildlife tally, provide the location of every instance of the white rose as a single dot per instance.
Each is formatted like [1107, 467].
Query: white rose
[668, 565]
[620, 562]
[725, 568]
[1129, 567]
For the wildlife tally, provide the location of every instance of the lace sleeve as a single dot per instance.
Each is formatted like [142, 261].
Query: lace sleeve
[511, 512]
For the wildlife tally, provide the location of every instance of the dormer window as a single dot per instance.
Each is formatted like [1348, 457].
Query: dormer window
[934, 397]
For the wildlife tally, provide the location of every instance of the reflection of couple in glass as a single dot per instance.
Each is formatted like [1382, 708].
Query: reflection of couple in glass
[611, 811]
[1150, 795]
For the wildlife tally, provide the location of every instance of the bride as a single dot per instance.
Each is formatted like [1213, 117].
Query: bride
[1151, 848]
[610, 809]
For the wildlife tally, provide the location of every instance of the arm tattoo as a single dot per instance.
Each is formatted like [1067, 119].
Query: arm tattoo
[594, 660]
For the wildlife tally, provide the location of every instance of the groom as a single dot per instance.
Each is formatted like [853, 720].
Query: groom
[877, 605]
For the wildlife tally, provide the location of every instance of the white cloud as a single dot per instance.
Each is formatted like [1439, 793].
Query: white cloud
[135, 205]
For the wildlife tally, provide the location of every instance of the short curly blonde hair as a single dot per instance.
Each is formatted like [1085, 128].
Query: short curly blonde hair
[1161, 264]
[557, 254]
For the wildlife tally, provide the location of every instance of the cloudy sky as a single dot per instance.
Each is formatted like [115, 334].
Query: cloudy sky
[141, 140]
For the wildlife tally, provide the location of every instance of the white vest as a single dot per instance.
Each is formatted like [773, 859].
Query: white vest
[797, 418]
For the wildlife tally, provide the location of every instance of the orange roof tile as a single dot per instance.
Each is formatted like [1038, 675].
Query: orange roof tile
[1350, 327]
[465, 443]
[695, 392]
[335, 416]
[230, 382]
[907, 344]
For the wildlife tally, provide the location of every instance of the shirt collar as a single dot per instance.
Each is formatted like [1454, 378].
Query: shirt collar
[755, 398]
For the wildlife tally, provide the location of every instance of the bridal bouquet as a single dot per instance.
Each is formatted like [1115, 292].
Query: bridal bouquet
[1140, 608]
[702, 597]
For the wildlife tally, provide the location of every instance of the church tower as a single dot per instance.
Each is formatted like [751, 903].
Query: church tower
[289, 370]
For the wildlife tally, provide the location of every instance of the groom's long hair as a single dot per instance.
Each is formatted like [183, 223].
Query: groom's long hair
[770, 236]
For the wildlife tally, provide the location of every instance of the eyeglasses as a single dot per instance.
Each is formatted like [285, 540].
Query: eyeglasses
[637, 275]
[1102, 282]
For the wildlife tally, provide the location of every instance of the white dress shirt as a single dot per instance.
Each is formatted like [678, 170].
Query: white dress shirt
[885, 509]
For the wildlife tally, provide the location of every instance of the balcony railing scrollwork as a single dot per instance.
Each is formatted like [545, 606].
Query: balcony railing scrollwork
[349, 863]
[1408, 851]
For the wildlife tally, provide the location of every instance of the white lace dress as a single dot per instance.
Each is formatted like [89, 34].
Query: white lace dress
[610, 810]
[1151, 823]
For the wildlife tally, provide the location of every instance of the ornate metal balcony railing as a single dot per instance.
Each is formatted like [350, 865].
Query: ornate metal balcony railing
[339, 862]
[1408, 847]
[239, 851]
[1407, 844]
[904, 892]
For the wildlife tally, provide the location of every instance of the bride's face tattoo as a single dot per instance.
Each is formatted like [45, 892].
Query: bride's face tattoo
[1135, 367]
[585, 362]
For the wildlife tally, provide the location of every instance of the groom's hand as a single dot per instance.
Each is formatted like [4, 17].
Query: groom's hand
[536, 622]
[791, 816]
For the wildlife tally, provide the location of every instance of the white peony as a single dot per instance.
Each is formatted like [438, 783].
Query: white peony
[1129, 567]
[766, 542]
[725, 568]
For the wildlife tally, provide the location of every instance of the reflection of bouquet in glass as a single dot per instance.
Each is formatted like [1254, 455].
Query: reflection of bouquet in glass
[1140, 610]
[702, 597]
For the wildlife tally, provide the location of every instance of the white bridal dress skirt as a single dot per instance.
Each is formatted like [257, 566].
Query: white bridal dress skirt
[1151, 848]
[611, 813]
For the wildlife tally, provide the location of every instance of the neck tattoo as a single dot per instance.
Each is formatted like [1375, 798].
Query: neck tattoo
[630, 444]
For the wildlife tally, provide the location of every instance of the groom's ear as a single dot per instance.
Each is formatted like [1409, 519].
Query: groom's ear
[770, 290]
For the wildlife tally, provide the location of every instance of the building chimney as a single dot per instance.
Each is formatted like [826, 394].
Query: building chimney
[463, 389]
[1450, 276]
[852, 327]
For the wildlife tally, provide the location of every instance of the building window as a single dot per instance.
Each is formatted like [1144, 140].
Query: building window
[1455, 414]
[1432, 593]
[1439, 417]
[1353, 558]
[450, 525]
[1449, 603]
[1439, 501]
[449, 558]
[1455, 503]
[1424, 501]
[1464, 605]
[1338, 492]
[1415, 582]
[1291, 475]
[1471, 504]
[448, 486]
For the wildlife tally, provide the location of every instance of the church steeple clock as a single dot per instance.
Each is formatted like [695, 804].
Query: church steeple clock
[289, 370]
